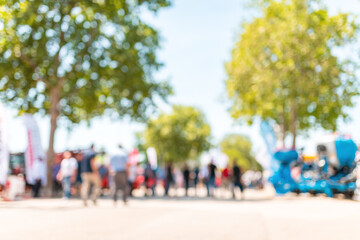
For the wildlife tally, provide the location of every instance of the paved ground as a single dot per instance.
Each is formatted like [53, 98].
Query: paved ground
[258, 218]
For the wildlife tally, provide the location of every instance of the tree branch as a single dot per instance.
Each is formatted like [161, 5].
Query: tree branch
[33, 66]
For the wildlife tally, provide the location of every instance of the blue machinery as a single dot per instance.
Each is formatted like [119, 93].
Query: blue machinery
[332, 173]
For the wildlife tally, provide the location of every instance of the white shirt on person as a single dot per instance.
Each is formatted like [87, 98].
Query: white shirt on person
[39, 169]
[68, 167]
[119, 160]
[204, 172]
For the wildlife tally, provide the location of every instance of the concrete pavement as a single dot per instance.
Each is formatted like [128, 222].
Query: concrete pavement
[280, 218]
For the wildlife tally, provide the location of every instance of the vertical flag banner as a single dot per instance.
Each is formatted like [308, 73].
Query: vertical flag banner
[151, 153]
[4, 153]
[34, 150]
[269, 143]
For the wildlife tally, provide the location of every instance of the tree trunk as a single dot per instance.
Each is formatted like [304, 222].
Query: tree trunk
[293, 122]
[54, 114]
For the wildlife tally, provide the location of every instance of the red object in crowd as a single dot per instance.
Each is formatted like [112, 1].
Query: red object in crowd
[138, 181]
[225, 173]
[105, 182]
[7, 184]
[217, 181]
[150, 182]
[134, 157]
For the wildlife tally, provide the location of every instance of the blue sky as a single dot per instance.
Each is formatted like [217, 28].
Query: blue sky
[197, 40]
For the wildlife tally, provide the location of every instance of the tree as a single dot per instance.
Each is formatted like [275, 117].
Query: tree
[284, 67]
[179, 135]
[238, 148]
[79, 59]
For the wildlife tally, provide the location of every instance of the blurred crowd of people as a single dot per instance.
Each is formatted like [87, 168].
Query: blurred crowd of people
[89, 174]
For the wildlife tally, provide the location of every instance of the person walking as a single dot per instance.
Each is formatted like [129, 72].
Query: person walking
[169, 178]
[78, 182]
[132, 174]
[205, 178]
[225, 179]
[236, 177]
[196, 178]
[39, 172]
[186, 175]
[119, 168]
[212, 176]
[89, 175]
[68, 172]
[150, 179]
[57, 186]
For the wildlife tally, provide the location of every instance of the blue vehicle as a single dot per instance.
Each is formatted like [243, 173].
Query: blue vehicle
[281, 178]
[332, 173]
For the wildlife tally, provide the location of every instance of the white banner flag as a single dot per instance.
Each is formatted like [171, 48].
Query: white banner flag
[152, 157]
[4, 153]
[35, 160]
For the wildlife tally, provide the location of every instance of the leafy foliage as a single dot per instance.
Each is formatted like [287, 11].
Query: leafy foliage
[238, 148]
[178, 136]
[284, 67]
[95, 55]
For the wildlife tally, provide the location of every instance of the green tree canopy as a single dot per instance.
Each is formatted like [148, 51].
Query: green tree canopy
[284, 67]
[78, 59]
[179, 135]
[99, 54]
[238, 148]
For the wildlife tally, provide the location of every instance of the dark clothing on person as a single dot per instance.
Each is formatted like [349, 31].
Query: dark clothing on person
[169, 179]
[150, 179]
[55, 170]
[36, 188]
[212, 169]
[169, 174]
[78, 174]
[119, 165]
[86, 162]
[239, 185]
[120, 180]
[236, 174]
[149, 173]
[57, 186]
[102, 171]
[186, 174]
[211, 182]
[196, 176]
[236, 177]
